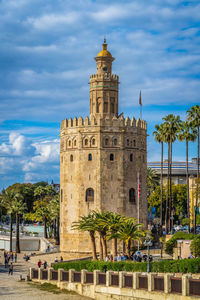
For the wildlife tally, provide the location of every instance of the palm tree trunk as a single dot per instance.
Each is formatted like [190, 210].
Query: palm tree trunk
[197, 191]
[104, 246]
[45, 228]
[114, 247]
[161, 187]
[17, 247]
[11, 230]
[94, 253]
[187, 181]
[167, 198]
[101, 248]
[128, 249]
[170, 190]
[57, 231]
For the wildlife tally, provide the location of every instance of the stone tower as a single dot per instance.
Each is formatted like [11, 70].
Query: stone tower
[101, 159]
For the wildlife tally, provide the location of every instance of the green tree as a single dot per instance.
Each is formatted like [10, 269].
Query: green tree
[54, 209]
[187, 134]
[8, 196]
[195, 246]
[193, 115]
[130, 231]
[87, 224]
[160, 138]
[171, 128]
[18, 208]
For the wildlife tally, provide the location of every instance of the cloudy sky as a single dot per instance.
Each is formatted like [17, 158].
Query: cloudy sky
[46, 57]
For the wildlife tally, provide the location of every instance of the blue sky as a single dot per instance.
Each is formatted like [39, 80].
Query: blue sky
[46, 57]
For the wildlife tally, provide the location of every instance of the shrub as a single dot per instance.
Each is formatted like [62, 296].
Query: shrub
[185, 221]
[195, 246]
[167, 266]
[169, 245]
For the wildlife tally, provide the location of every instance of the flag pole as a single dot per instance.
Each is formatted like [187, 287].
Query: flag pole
[138, 203]
[140, 103]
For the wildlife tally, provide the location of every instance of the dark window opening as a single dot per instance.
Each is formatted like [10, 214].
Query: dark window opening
[111, 156]
[112, 108]
[89, 156]
[106, 142]
[105, 69]
[105, 107]
[131, 157]
[75, 143]
[127, 142]
[71, 157]
[93, 141]
[86, 142]
[69, 143]
[132, 195]
[134, 143]
[89, 195]
[115, 142]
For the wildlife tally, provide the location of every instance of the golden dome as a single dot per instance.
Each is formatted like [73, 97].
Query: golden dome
[104, 52]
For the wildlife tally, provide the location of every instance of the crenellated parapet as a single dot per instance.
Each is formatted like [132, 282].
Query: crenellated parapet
[104, 76]
[108, 121]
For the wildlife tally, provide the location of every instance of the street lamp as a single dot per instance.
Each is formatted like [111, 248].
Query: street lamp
[148, 243]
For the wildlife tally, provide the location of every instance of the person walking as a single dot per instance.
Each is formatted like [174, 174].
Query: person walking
[12, 256]
[10, 271]
[45, 264]
[6, 261]
[39, 263]
[15, 256]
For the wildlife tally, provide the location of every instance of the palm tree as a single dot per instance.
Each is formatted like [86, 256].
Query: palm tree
[160, 138]
[87, 224]
[8, 197]
[130, 231]
[152, 183]
[187, 134]
[18, 208]
[171, 128]
[194, 117]
[114, 222]
[54, 209]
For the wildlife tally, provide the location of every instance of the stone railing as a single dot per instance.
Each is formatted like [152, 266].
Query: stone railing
[124, 284]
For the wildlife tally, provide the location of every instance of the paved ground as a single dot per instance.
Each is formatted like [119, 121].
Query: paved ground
[13, 289]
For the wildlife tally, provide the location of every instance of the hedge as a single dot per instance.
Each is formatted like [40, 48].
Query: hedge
[168, 266]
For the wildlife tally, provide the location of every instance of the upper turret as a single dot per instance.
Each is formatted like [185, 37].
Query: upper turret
[104, 86]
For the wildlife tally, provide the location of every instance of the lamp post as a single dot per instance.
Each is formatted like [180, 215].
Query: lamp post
[148, 243]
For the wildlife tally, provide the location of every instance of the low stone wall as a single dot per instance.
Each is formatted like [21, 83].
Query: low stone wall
[122, 285]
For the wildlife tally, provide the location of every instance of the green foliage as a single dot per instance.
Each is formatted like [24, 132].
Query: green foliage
[152, 181]
[198, 219]
[195, 246]
[176, 266]
[170, 244]
[185, 221]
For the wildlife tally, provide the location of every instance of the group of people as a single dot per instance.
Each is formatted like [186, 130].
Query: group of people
[44, 264]
[137, 257]
[9, 258]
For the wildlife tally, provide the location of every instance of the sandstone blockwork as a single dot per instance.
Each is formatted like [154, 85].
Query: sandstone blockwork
[103, 159]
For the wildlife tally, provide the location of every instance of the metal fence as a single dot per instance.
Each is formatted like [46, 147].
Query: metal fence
[115, 279]
[194, 287]
[128, 281]
[77, 276]
[44, 275]
[35, 274]
[54, 275]
[143, 282]
[159, 283]
[65, 276]
[102, 278]
[89, 277]
[176, 285]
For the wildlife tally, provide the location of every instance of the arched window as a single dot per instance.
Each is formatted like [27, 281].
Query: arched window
[115, 142]
[106, 142]
[75, 143]
[131, 157]
[86, 142]
[93, 141]
[134, 143]
[132, 195]
[111, 156]
[71, 157]
[127, 142]
[89, 156]
[70, 143]
[89, 195]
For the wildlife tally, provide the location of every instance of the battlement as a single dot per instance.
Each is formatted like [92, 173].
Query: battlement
[104, 76]
[108, 121]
